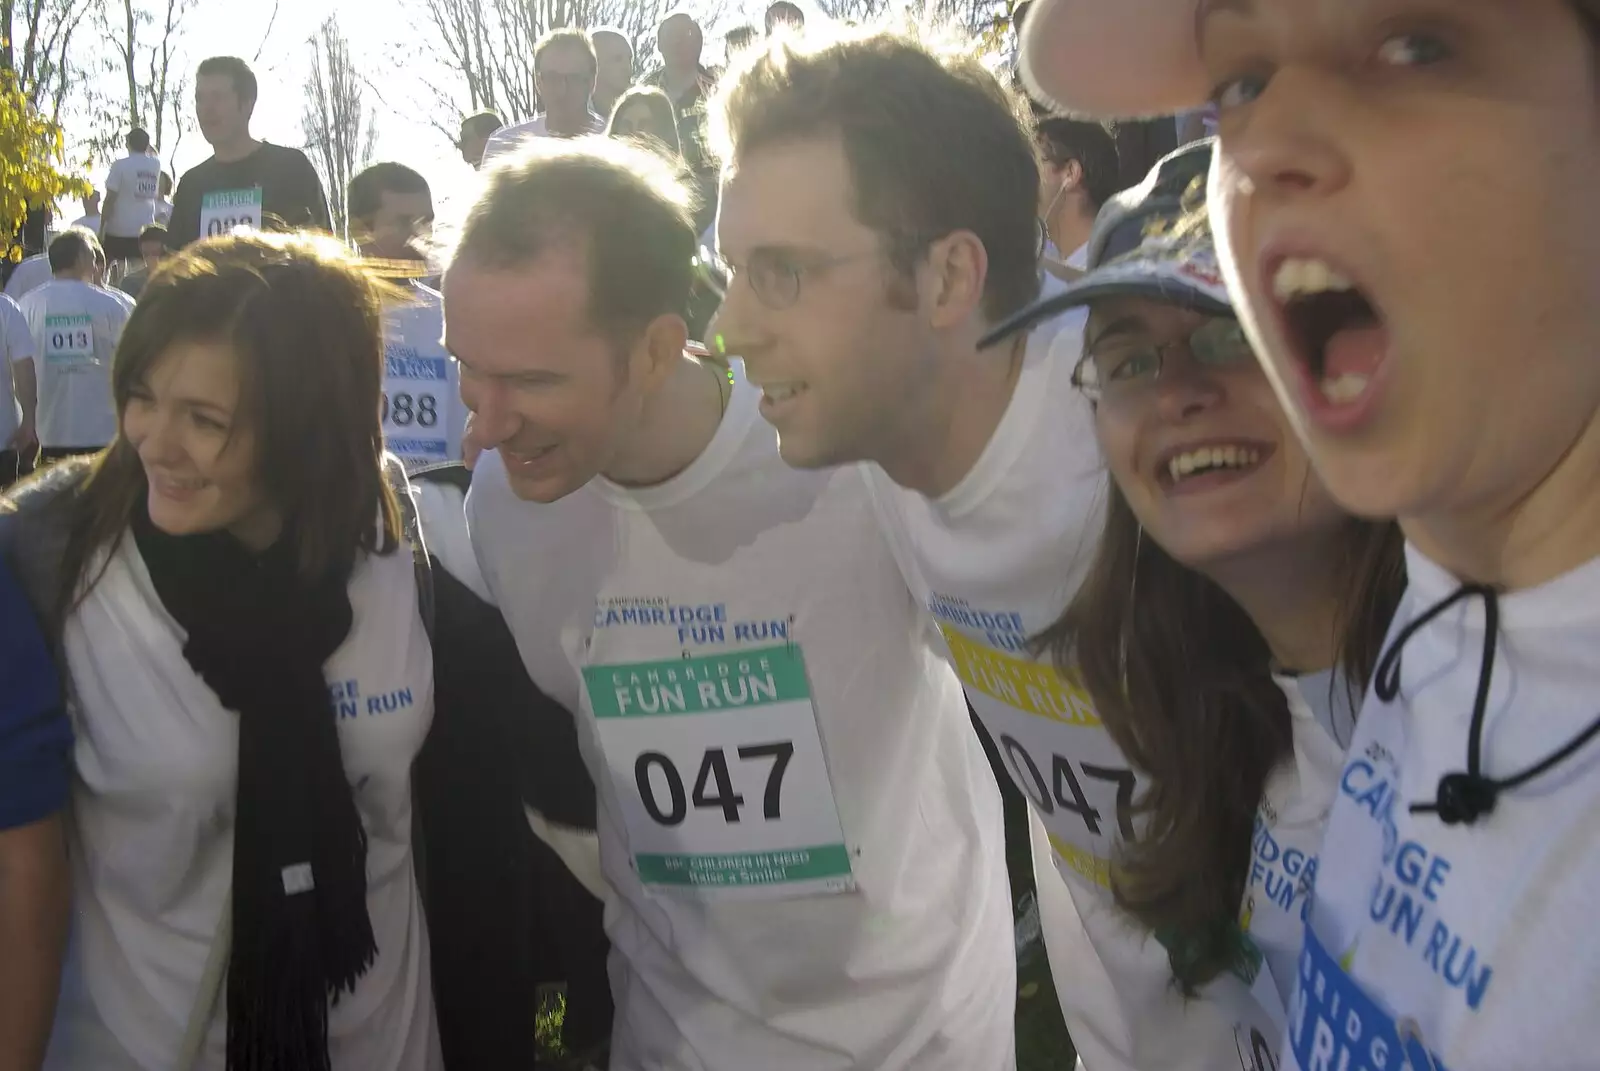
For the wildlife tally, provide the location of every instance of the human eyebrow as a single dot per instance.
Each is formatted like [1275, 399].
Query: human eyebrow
[1207, 8]
[1127, 325]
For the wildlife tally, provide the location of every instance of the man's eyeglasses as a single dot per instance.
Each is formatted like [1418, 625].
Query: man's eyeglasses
[1120, 369]
[774, 276]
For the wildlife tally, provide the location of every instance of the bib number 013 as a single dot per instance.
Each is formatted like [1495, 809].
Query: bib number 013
[1064, 789]
[713, 784]
[404, 410]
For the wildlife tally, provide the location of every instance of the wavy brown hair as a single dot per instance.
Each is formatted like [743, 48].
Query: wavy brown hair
[1183, 682]
[306, 325]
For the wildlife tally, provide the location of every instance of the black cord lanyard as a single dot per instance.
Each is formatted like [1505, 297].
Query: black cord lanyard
[1464, 797]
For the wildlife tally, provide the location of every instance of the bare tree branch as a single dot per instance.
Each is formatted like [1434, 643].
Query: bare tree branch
[340, 131]
[271, 22]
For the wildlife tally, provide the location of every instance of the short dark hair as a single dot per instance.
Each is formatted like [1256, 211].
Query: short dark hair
[739, 38]
[1064, 139]
[571, 38]
[364, 196]
[624, 207]
[68, 247]
[139, 139]
[784, 11]
[236, 71]
[934, 145]
[152, 232]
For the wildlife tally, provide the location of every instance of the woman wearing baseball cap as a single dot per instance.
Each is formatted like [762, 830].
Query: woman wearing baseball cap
[1233, 613]
[1405, 211]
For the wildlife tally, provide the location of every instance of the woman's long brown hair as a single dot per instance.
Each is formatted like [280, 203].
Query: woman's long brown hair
[1182, 680]
[306, 325]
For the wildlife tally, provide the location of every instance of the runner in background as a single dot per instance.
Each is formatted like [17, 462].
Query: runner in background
[31, 273]
[163, 199]
[1078, 173]
[245, 182]
[19, 435]
[804, 862]
[476, 130]
[564, 72]
[390, 209]
[613, 59]
[784, 16]
[90, 220]
[152, 251]
[645, 114]
[910, 241]
[131, 191]
[1405, 211]
[76, 325]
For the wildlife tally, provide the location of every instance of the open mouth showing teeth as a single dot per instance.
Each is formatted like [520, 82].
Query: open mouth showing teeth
[1335, 328]
[1204, 459]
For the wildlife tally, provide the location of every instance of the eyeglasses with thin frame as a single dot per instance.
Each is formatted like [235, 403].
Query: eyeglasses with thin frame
[1121, 369]
[774, 276]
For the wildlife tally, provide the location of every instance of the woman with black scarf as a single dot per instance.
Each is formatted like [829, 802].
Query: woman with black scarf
[244, 635]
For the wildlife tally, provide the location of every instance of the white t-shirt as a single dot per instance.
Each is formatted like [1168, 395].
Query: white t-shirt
[1470, 946]
[16, 344]
[997, 559]
[1291, 820]
[507, 138]
[88, 223]
[75, 330]
[134, 179]
[152, 826]
[423, 417]
[29, 275]
[775, 584]
[163, 211]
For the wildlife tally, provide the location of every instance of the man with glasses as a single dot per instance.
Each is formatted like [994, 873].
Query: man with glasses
[800, 838]
[869, 257]
[564, 72]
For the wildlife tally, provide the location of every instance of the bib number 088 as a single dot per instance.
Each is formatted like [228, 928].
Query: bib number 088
[1064, 790]
[713, 775]
[404, 410]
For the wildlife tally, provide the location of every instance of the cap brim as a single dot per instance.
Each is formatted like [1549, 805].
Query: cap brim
[1114, 59]
[1162, 288]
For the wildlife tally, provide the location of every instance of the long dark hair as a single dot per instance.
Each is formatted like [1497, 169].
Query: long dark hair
[1182, 681]
[306, 325]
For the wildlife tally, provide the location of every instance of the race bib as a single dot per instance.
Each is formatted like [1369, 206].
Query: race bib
[416, 396]
[223, 211]
[1055, 748]
[69, 341]
[1335, 1024]
[720, 771]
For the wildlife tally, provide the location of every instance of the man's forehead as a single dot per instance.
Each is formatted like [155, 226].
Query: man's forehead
[795, 192]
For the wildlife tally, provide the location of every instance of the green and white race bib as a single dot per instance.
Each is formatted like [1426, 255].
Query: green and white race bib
[720, 771]
[69, 340]
[223, 211]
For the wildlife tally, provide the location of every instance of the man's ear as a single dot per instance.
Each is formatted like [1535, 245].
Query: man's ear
[959, 266]
[658, 349]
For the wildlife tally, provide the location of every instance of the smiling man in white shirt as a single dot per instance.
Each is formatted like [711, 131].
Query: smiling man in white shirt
[800, 836]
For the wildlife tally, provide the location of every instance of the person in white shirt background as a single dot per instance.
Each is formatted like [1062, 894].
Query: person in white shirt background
[564, 69]
[814, 878]
[1452, 923]
[390, 209]
[31, 273]
[18, 384]
[90, 220]
[913, 240]
[1232, 616]
[1078, 174]
[164, 199]
[132, 189]
[238, 618]
[76, 324]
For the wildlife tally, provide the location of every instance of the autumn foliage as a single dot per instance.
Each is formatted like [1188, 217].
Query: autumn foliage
[32, 154]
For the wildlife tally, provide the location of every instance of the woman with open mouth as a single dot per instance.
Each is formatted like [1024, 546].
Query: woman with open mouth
[1404, 202]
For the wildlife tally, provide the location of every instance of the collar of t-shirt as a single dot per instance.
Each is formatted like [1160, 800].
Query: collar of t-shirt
[742, 411]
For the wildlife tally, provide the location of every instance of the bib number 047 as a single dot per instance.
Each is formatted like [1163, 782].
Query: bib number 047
[1064, 789]
[713, 783]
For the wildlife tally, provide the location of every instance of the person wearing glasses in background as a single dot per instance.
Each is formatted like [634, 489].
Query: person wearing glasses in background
[564, 71]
